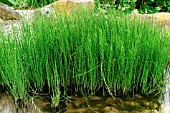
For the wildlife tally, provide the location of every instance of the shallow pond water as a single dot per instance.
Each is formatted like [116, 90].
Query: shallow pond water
[166, 99]
[93, 104]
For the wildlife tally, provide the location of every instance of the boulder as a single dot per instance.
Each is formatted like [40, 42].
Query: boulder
[109, 109]
[161, 18]
[62, 6]
[7, 13]
[70, 5]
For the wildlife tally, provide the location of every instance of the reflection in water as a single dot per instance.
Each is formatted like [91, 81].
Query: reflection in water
[7, 109]
[94, 104]
[166, 98]
[6, 104]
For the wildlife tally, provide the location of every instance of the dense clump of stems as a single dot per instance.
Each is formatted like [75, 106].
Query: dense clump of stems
[84, 51]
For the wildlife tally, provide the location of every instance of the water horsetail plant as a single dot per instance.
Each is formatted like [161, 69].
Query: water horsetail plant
[84, 51]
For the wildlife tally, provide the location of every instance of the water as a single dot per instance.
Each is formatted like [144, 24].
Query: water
[94, 104]
[166, 99]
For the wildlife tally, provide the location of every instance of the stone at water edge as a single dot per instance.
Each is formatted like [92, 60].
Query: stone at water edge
[109, 109]
[95, 98]
[7, 13]
[154, 106]
[145, 103]
[137, 96]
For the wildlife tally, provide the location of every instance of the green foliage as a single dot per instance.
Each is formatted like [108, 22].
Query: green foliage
[27, 3]
[84, 51]
[6, 2]
[144, 6]
[152, 6]
[122, 5]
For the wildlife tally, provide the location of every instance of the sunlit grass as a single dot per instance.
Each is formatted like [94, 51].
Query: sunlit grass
[85, 51]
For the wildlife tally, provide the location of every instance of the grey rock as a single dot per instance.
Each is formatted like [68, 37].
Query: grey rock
[7, 13]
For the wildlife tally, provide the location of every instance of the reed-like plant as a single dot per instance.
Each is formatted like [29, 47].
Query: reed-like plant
[84, 51]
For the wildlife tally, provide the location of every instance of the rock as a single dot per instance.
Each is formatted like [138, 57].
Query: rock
[156, 101]
[74, 4]
[117, 103]
[153, 106]
[124, 111]
[142, 17]
[81, 110]
[155, 111]
[95, 98]
[90, 111]
[62, 6]
[70, 5]
[110, 110]
[161, 18]
[26, 14]
[1, 21]
[7, 13]
[47, 10]
[145, 103]
[137, 96]
[98, 105]
[77, 104]
[132, 103]
[149, 111]
[110, 101]
[69, 105]
[135, 112]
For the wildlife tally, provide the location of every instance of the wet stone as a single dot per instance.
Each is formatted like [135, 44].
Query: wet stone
[74, 98]
[69, 105]
[132, 103]
[153, 106]
[98, 105]
[111, 101]
[155, 111]
[156, 101]
[117, 103]
[81, 110]
[76, 104]
[145, 103]
[95, 98]
[135, 112]
[137, 96]
[124, 111]
[149, 111]
[110, 110]
[90, 111]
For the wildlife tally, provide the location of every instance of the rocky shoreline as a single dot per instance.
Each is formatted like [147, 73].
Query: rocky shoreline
[92, 104]
[13, 17]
